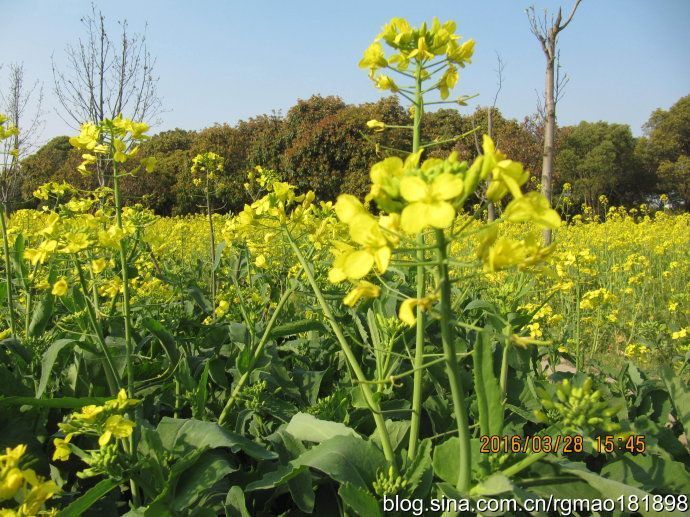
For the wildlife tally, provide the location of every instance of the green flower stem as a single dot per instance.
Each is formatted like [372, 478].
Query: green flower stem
[128, 323]
[212, 244]
[111, 375]
[504, 369]
[256, 355]
[452, 368]
[8, 269]
[421, 288]
[125, 286]
[349, 355]
[523, 464]
[29, 301]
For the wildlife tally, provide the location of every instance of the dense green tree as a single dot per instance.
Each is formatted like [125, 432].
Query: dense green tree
[665, 150]
[598, 158]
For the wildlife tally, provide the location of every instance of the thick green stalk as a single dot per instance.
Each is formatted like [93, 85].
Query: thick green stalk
[504, 370]
[128, 323]
[255, 357]
[421, 288]
[350, 356]
[110, 372]
[212, 244]
[452, 368]
[8, 270]
[125, 286]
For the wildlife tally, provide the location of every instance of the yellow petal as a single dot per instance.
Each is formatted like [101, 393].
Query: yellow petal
[440, 214]
[413, 218]
[406, 312]
[413, 188]
[446, 186]
[347, 207]
[358, 264]
[533, 206]
[382, 258]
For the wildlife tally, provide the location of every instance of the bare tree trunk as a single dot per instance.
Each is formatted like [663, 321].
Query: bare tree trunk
[549, 140]
[547, 34]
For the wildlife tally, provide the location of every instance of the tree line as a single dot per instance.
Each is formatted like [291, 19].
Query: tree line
[323, 144]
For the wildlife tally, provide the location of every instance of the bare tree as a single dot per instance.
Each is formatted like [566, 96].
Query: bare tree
[22, 104]
[547, 31]
[104, 77]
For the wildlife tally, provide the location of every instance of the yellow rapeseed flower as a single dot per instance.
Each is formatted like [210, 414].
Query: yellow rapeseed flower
[428, 203]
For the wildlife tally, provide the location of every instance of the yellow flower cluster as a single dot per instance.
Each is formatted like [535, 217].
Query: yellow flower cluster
[106, 422]
[29, 491]
[419, 45]
[119, 135]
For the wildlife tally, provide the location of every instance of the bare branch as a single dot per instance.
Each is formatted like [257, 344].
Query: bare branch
[572, 13]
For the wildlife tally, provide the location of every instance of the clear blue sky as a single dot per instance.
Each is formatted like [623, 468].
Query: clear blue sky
[222, 61]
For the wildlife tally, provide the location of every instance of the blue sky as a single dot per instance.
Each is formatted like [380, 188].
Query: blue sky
[222, 61]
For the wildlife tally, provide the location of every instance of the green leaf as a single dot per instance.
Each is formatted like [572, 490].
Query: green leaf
[166, 339]
[680, 397]
[48, 361]
[417, 470]
[199, 298]
[446, 460]
[41, 315]
[199, 479]
[235, 505]
[218, 254]
[181, 435]
[494, 485]
[201, 394]
[649, 473]
[345, 459]
[90, 497]
[17, 257]
[606, 487]
[487, 388]
[397, 430]
[244, 360]
[295, 327]
[275, 478]
[17, 349]
[362, 502]
[308, 428]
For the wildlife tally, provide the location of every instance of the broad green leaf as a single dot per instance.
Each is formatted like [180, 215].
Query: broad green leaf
[48, 361]
[345, 459]
[41, 315]
[446, 460]
[235, 505]
[680, 397]
[487, 388]
[362, 502]
[308, 428]
[199, 478]
[494, 485]
[397, 430]
[606, 487]
[181, 435]
[649, 473]
[276, 478]
[89, 498]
